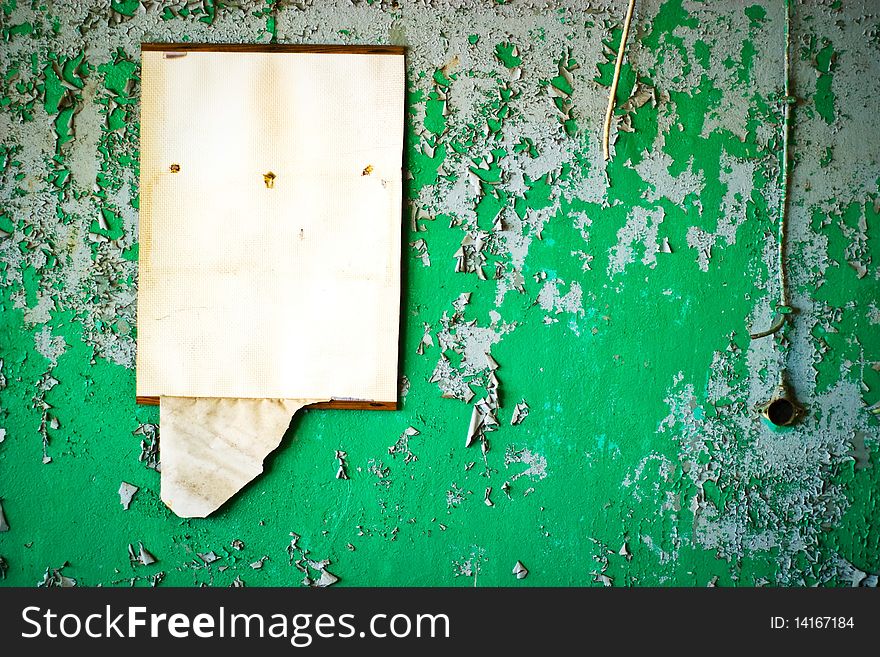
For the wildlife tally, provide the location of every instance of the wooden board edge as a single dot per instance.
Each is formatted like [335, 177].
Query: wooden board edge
[355, 405]
[272, 47]
[334, 404]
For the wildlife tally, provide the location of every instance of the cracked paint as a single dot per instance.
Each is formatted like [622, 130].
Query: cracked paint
[617, 300]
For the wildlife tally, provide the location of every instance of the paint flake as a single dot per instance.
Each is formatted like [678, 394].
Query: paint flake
[208, 557]
[402, 446]
[454, 497]
[149, 445]
[537, 464]
[520, 412]
[326, 579]
[342, 467]
[860, 452]
[55, 578]
[142, 556]
[486, 500]
[421, 248]
[126, 493]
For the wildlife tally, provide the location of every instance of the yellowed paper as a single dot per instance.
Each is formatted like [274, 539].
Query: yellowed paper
[258, 286]
[211, 448]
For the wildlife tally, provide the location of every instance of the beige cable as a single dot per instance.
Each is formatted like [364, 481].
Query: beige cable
[606, 135]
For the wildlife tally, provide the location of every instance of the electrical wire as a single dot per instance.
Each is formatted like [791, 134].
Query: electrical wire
[783, 308]
[606, 133]
[788, 101]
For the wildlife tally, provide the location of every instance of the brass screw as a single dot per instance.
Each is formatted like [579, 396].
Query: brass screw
[175, 168]
[367, 170]
[269, 179]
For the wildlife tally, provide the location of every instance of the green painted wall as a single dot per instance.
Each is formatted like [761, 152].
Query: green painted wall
[641, 462]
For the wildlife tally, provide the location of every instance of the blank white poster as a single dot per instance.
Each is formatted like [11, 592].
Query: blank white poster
[270, 225]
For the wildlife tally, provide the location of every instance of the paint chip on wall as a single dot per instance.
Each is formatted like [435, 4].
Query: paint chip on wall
[126, 493]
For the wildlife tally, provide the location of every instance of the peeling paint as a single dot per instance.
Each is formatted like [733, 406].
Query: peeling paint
[616, 300]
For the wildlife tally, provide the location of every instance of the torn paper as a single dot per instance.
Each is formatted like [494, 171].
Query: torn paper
[211, 448]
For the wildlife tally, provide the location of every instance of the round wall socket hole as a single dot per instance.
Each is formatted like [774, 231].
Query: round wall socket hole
[781, 412]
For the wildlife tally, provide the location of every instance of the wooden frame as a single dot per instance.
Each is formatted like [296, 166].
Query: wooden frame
[340, 404]
[273, 47]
